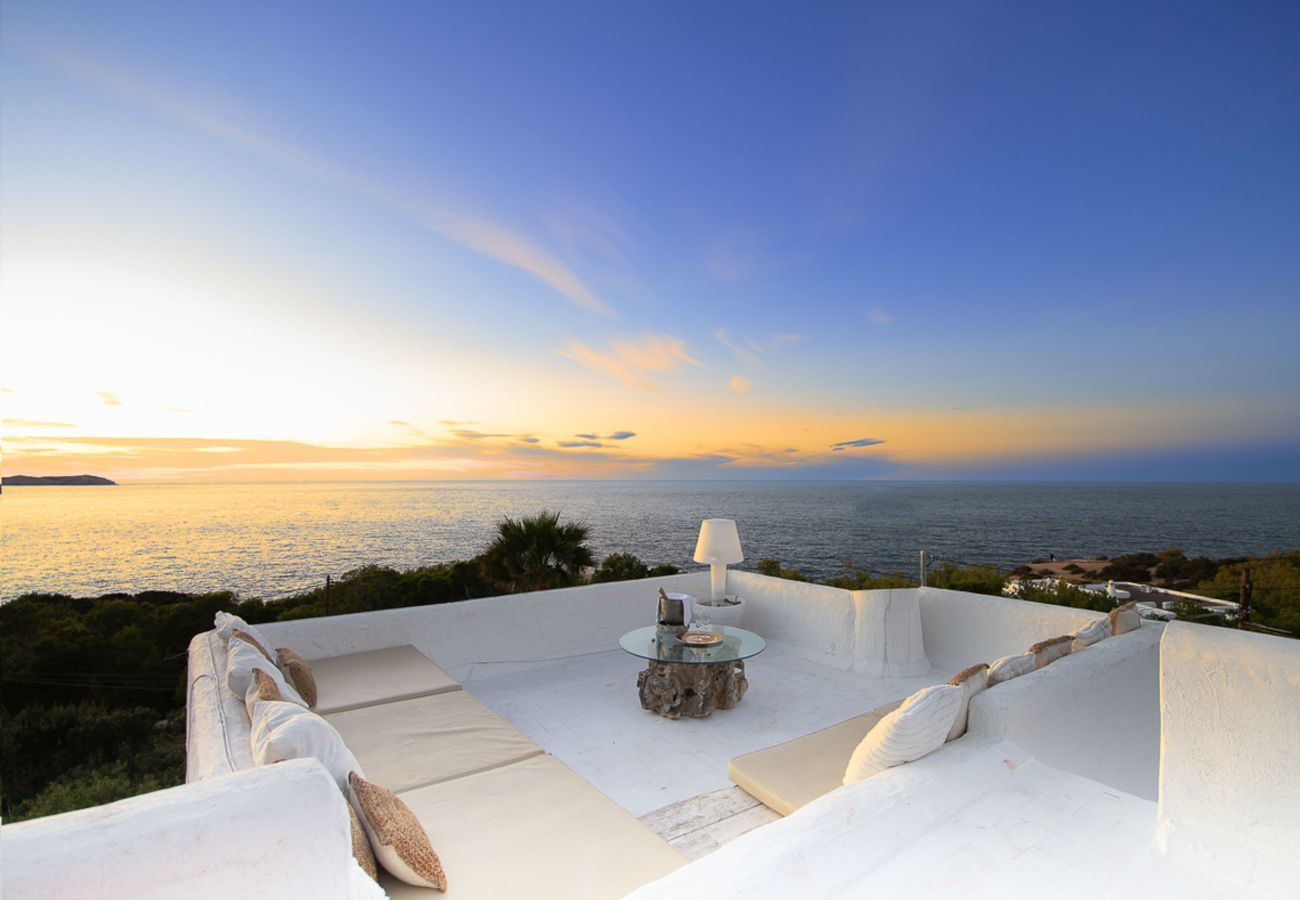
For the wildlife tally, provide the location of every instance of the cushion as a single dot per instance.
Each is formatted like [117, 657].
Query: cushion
[287, 731]
[1091, 634]
[241, 659]
[535, 829]
[238, 634]
[225, 624]
[376, 676]
[791, 774]
[971, 680]
[298, 671]
[396, 835]
[361, 851]
[261, 687]
[1052, 649]
[1125, 618]
[918, 727]
[1009, 667]
[411, 743]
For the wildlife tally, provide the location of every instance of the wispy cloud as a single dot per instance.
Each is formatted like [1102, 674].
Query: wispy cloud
[108, 398]
[596, 444]
[740, 384]
[748, 352]
[471, 435]
[457, 423]
[859, 442]
[879, 317]
[588, 437]
[633, 360]
[620, 435]
[472, 231]
[35, 423]
[400, 422]
[529, 439]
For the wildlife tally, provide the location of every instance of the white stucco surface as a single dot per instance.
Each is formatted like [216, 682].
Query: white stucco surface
[1230, 753]
[1094, 713]
[584, 710]
[275, 832]
[976, 819]
[961, 628]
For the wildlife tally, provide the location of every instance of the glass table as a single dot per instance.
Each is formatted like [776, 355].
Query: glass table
[683, 679]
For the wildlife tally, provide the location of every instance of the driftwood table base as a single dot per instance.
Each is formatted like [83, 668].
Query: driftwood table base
[674, 690]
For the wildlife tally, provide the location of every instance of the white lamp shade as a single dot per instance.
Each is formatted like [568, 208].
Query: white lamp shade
[719, 542]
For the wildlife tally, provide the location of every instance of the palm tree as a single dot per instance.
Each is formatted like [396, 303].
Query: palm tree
[537, 553]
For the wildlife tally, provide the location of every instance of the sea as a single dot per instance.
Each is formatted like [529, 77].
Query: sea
[269, 540]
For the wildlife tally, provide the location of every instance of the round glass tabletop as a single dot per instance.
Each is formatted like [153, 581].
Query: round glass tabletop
[737, 643]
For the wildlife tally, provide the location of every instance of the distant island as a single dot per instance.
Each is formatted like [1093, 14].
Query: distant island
[63, 480]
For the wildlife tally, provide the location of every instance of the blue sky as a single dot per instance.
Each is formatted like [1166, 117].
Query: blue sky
[745, 232]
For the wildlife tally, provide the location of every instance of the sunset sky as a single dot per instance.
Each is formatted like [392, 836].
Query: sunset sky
[246, 241]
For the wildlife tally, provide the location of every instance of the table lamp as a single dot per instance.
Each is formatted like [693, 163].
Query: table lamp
[719, 544]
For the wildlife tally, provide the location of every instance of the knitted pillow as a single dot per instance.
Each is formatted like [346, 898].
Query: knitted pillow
[1009, 667]
[361, 851]
[287, 731]
[971, 680]
[1051, 650]
[396, 835]
[918, 727]
[241, 659]
[298, 672]
[238, 634]
[1091, 634]
[1125, 618]
[262, 687]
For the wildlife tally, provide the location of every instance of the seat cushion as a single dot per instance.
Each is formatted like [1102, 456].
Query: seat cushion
[410, 743]
[787, 776]
[376, 676]
[533, 829]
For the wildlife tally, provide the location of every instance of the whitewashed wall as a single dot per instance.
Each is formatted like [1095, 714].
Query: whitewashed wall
[1095, 713]
[961, 628]
[273, 832]
[1230, 754]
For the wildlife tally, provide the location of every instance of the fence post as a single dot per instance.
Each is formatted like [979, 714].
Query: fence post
[327, 595]
[922, 568]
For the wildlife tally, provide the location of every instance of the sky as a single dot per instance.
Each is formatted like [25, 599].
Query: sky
[302, 241]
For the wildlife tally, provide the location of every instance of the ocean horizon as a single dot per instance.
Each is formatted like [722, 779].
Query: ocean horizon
[268, 539]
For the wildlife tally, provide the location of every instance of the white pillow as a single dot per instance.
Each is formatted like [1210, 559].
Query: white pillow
[241, 659]
[918, 727]
[971, 680]
[225, 623]
[1009, 667]
[1091, 634]
[286, 731]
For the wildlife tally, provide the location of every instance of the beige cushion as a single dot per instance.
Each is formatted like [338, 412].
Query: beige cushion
[399, 840]
[534, 829]
[1050, 650]
[789, 775]
[376, 676]
[261, 687]
[238, 634]
[411, 743]
[1091, 634]
[1125, 618]
[971, 680]
[1009, 667]
[298, 671]
[917, 728]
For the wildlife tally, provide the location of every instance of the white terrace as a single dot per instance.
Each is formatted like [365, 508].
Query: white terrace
[1158, 762]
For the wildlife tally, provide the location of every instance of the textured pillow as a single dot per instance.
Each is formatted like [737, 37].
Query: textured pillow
[396, 835]
[238, 634]
[1009, 667]
[298, 672]
[241, 659]
[1125, 618]
[261, 687]
[1091, 634]
[918, 727]
[1051, 650]
[361, 851]
[971, 680]
[287, 731]
[225, 624]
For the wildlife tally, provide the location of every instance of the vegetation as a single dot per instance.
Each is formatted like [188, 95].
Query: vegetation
[92, 691]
